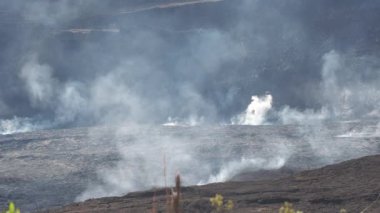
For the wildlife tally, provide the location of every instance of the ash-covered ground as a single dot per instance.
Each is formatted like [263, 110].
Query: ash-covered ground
[50, 168]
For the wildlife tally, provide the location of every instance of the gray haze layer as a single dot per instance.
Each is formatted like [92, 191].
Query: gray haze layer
[85, 62]
[50, 168]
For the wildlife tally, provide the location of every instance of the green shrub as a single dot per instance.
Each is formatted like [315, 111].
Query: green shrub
[288, 208]
[218, 203]
[11, 208]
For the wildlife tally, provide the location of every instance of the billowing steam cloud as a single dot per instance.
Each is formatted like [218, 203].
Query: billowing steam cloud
[236, 167]
[203, 67]
[38, 81]
[256, 112]
[15, 125]
[349, 96]
[341, 99]
[144, 160]
[45, 91]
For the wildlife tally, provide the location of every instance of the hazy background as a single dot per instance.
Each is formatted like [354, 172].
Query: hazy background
[84, 62]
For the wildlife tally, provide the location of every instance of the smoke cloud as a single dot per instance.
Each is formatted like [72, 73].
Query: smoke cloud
[157, 61]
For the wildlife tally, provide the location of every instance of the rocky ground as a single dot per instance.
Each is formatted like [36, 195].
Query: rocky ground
[352, 185]
[52, 168]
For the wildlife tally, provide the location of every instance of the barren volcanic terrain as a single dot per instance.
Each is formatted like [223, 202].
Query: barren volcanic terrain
[51, 168]
[352, 185]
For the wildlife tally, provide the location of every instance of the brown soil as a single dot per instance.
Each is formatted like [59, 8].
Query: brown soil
[353, 185]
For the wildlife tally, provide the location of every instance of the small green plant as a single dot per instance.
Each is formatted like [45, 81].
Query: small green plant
[11, 208]
[288, 208]
[218, 203]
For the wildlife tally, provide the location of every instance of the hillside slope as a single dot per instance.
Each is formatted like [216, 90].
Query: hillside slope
[353, 185]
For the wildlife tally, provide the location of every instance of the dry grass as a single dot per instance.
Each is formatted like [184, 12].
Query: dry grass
[175, 197]
[172, 195]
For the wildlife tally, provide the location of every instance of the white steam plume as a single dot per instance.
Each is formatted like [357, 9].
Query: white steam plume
[39, 83]
[332, 95]
[190, 121]
[309, 116]
[142, 164]
[343, 95]
[17, 125]
[141, 167]
[71, 103]
[256, 112]
[106, 99]
[48, 93]
[236, 167]
[369, 131]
